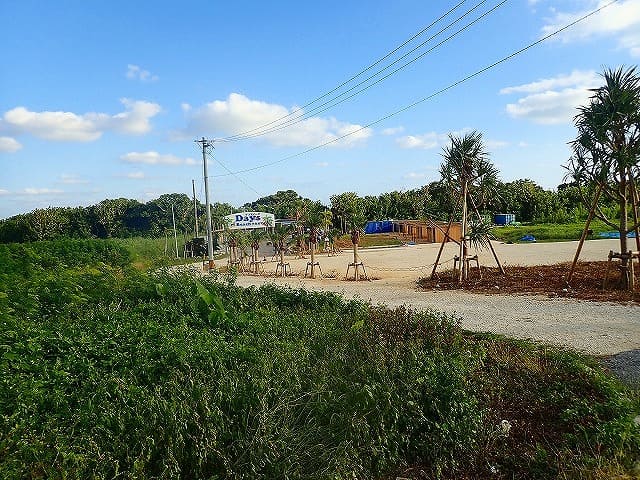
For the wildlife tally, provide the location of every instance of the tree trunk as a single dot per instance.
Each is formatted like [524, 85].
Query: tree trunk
[623, 202]
[355, 239]
[355, 261]
[281, 248]
[313, 259]
[464, 274]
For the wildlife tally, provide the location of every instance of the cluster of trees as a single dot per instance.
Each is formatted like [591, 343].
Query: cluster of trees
[122, 217]
[111, 218]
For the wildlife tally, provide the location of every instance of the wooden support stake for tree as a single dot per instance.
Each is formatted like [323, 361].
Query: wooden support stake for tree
[631, 274]
[463, 244]
[493, 251]
[444, 240]
[495, 256]
[583, 237]
[606, 273]
[634, 202]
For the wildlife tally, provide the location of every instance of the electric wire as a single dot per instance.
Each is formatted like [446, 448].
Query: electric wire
[240, 179]
[380, 60]
[332, 103]
[429, 97]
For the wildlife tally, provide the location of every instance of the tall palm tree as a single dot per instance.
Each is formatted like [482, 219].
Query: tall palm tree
[606, 153]
[467, 172]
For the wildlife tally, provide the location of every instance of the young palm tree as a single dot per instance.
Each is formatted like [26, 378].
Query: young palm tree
[254, 238]
[278, 237]
[467, 172]
[314, 219]
[606, 154]
[234, 239]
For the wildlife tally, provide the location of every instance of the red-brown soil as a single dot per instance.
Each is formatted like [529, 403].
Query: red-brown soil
[547, 280]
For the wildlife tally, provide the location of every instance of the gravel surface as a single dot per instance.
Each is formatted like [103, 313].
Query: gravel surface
[597, 328]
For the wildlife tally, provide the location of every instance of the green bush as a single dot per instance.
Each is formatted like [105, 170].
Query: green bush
[107, 372]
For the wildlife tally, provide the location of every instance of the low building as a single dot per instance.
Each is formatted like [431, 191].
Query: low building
[427, 231]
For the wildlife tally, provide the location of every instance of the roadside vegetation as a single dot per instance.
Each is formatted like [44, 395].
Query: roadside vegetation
[107, 371]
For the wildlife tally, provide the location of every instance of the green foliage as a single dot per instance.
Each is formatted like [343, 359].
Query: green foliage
[124, 218]
[546, 232]
[283, 204]
[107, 372]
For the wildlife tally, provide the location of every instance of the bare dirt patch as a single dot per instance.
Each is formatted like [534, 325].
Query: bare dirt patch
[549, 280]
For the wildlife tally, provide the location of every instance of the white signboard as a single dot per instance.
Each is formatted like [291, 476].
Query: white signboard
[246, 220]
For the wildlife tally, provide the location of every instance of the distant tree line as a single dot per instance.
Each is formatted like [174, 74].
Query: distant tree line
[111, 218]
[122, 217]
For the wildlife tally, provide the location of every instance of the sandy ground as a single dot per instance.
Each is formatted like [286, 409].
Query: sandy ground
[592, 327]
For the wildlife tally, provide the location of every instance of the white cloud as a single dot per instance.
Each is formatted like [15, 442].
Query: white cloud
[393, 130]
[495, 144]
[587, 79]
[135, 119]
[9, 145]
[240, 114]
[415, 175]
[155, 158]
[135, 175]
[71, 127]
[70, 179]
[42, 191]
[620, 20]
[429, 140]
[134, 72]
[552, 100]
[322, 164]
[4, 192]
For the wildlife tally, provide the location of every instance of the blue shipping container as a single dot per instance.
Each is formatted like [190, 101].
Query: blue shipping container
[379, 227]
[504, 218]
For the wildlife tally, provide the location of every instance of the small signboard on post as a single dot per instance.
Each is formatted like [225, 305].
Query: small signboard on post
[249, 220]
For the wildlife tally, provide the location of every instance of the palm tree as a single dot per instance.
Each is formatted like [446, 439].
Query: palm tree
[467, 172]
[278, 237]
[314, 218]
[254, 238]
[606, 154]
[355, 222]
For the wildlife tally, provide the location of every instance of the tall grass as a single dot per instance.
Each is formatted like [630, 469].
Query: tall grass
[120, 374]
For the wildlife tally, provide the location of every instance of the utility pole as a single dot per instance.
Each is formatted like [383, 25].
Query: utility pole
[175, 235]
[204, 143]
[195, 205]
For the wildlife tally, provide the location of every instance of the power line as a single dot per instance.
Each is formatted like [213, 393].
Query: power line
[429, 97]
[360, 73]
[332, 103]
[235, 175]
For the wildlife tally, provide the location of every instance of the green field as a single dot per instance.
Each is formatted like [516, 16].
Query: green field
[110, 372]
[548, 232]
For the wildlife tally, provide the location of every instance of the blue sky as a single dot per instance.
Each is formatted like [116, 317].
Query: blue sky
[105, 99]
